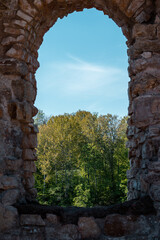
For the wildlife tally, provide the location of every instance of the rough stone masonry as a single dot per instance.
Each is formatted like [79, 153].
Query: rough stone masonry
[23, 24]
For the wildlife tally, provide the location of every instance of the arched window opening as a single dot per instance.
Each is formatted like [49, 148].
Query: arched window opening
[82, 158]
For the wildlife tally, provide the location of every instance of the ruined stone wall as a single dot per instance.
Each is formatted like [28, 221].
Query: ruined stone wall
[23, 24]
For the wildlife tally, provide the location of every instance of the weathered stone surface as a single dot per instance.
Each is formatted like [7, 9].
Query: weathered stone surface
[10, 197]
[154, 167]
[1, 112]
[24, 16]
[21, 23]
[29, 154]
[119, 226]
[28, 220]
[9, 40]
[147, 54]
[88, 227]
[66, 232]
[38, 3]
[152, 178]
[28, 180]
[134, 6]
[14, 31]
[69, 231]
[30, 141]
[140, 30]
[146, 110]
[155, 192]
[18, 89]
[52, 218]
[29, 166]
[16, 53]
[7, 182]
[14, 164]
[26, 7]
[8, 218]
[32, 194]
[49, 1]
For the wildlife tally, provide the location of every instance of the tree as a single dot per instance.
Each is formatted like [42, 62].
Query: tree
[82, 160]
[40, 118]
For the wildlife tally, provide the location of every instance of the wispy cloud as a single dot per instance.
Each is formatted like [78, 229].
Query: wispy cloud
[76, 76]
[77, 84]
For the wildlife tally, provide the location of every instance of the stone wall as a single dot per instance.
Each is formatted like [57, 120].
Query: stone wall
[133, 220]
[23, 24]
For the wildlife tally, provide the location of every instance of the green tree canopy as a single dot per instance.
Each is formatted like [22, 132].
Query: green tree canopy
[82, 160]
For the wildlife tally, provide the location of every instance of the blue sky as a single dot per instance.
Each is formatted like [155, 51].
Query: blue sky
[83, 66]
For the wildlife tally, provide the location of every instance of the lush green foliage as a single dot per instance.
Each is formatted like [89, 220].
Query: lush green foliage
[82, 160]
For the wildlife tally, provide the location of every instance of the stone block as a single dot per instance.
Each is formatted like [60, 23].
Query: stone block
[52, 218]
[29, 166]
[24, 16]
[8, 218]
[154, 192]
[16, 53]
[146, 55]
[11, 40]
[134, 184]
[32, 193]
[12, 110]
[10, 197]
[131, 143]
[133, 7]
[144, 31]
[29, 154]
[147, 151]
[154, 167]
[69, 231]
[28, 180]
[132, 173]
[30, 92]
[29, 141]
[23, 111]
[154, 131]
[14, 165]
[14, 31]
[130, 131]
[122, 4]
[26, 7]
[146, 46]
[88, 227]
[144, 185]
[31, 220]
[146, 111]
[18, 89]
[7, 182]
[117, 225]
[65, 232]
[38, 3]
[21, 23]
[152, 178]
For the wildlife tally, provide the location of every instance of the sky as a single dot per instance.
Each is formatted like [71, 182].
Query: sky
[83, 66]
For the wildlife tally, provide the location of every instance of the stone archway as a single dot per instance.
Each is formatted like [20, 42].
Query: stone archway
[23, 24]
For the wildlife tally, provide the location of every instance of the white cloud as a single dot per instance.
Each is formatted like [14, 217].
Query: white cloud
[78, 77]
[76, 84]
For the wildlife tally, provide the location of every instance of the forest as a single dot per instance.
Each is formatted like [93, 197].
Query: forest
[82, 159]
